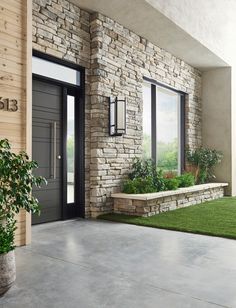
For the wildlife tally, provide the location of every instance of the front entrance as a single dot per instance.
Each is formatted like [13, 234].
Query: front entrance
[57, 146]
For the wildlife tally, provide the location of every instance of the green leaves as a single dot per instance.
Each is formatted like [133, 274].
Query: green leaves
[139, 186]
[186, 179]
[204, 159]
[145, 178]
[16, 182]
[7, 229]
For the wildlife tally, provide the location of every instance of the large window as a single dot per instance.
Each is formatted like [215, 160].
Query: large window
[163, 126]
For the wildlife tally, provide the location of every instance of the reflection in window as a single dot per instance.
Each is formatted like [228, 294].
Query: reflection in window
[167, 130]
[70, 148]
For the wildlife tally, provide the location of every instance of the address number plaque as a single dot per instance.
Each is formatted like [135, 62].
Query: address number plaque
[7, 104]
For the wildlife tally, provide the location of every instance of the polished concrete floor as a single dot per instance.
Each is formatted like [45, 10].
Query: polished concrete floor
[102, 264]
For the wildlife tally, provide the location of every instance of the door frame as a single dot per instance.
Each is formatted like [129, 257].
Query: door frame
[79, 93]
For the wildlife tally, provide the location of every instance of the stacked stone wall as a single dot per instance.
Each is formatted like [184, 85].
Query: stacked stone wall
[119, 61]
[116, 60]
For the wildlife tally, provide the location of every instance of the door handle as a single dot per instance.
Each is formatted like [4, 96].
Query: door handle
[59, 157]
[54, 150]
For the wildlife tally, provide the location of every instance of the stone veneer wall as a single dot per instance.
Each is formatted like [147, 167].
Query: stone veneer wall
[160, 204]
[61, 29]
[116, 60]
[119, 61]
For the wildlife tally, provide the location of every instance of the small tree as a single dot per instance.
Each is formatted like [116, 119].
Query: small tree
[16, 182]
[204, 159]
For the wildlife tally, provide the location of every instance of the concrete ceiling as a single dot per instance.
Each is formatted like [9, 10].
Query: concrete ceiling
[147, 21]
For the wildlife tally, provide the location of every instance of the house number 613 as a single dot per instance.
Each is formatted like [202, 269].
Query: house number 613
[7, 104]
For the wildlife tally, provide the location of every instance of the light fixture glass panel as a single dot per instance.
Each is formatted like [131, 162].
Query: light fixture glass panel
[70, 148]
[55, 71]
[121, 117]
[112, 118]
[147, 123]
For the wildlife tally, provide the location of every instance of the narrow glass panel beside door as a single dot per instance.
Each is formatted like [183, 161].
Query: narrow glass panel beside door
[70, 147]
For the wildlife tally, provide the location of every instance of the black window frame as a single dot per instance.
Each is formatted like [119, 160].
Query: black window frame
[183, 96]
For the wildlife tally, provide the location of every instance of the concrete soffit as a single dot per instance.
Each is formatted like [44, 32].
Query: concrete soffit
[145, 20]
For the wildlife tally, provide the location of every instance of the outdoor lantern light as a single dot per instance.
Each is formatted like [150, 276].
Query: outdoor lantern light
[117, 125]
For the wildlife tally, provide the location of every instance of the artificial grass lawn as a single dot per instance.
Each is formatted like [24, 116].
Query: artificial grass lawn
[216, 218]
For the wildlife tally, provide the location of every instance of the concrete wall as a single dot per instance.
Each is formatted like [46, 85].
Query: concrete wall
[217, 121]
[217, 16]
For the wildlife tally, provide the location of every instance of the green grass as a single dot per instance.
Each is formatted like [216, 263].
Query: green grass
[216, 218]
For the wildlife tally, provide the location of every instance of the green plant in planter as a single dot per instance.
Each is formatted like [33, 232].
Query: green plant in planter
[171, 183]
[204, 159]
[145, 168]
[186, 179]
[139, 186]
[16, 181]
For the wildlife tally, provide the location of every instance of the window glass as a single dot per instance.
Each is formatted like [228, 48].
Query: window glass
[147, 125]
[167, 130]
[55, 71]
[161, 131]
[70, 148]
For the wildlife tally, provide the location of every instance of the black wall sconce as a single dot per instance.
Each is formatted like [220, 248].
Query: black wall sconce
[117, 117]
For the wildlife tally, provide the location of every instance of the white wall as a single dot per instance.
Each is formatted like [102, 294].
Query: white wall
[217, 120]
[212, 22]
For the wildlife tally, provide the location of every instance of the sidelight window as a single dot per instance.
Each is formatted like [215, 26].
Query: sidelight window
[70, 146]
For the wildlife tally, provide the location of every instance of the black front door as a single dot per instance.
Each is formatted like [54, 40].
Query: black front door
[47, 148]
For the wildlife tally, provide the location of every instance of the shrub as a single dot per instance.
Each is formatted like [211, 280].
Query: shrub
[145, 178]
[142, 168]
[16, 181]
[7, 230]
[146, 168]
[171, 183]
[139, 186]
[186, 179]
[204, 160]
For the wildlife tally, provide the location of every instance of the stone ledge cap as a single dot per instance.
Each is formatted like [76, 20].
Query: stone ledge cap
[168, 193]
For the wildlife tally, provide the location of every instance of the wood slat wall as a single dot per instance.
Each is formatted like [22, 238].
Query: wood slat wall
[15, 83]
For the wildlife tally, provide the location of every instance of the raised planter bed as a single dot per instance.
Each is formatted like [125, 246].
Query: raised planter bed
[155, 203]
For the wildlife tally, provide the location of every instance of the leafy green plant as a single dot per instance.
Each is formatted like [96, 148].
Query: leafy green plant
[16, 181]
[158, 180]
[146, 178]
[142, 168]
[204, 159]
[145, 168]
[186, 179]
[171, 183]
[7, 230]
[139, 186]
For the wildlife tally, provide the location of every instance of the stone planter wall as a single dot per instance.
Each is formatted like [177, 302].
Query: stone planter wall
[155, 203]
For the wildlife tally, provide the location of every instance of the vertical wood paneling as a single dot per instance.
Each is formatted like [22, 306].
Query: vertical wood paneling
[15, 83]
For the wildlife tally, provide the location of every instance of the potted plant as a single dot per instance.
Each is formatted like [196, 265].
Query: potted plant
[16, 181]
